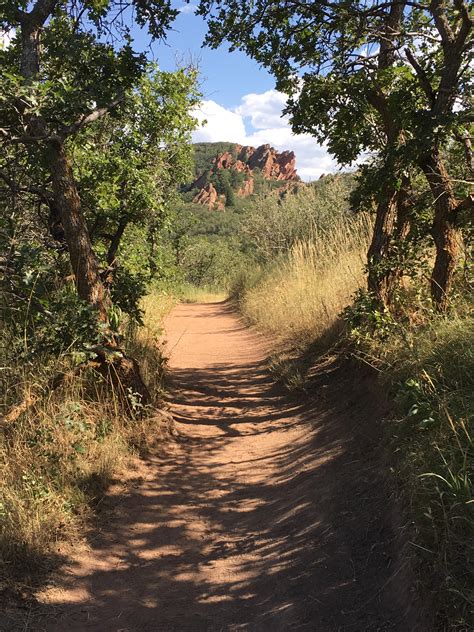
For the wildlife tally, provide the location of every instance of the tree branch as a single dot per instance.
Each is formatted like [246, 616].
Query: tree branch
[41, 11]
[467, 22]
[465, 140]
[422, 78]
[45, 195]
[442, 23]
[465, 204]
[86, 119]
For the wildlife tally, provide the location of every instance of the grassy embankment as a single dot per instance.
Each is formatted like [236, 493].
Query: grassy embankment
[191, 294]
[59, 456]
[430, 368]
[428, 363]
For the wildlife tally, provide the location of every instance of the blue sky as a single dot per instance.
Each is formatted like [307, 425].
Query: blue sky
[224, 74]
[240, 103]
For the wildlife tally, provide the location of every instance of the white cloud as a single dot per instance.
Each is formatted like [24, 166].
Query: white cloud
[262, 113]
[221, 125]
[263, 110]
[187, 8]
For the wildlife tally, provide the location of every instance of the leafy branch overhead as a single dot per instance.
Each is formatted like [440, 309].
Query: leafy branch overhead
[94, 143]
[389, 78]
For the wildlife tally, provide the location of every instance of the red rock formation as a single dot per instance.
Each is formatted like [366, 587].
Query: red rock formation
[244, 153]
[223, 161]
[246, 189]
[207, 196]
[272, 164]
[241, 166]
[286, 166]
[200, 182]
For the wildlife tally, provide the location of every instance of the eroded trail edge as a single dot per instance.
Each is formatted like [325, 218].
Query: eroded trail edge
[268, 512]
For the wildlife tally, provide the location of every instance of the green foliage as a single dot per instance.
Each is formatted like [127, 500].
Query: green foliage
[59, 457]
[42, 314]
[428, 362]
[217, 249]
[127, 291]
[124, 125]
[272, 225]
[403, 98]
[204, 154]
[435, 393]
[206, 246]
[212, 263]
[368, 320]
[127, 168]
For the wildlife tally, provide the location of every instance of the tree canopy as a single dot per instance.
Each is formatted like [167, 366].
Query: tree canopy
[94, 143]
[389, 78]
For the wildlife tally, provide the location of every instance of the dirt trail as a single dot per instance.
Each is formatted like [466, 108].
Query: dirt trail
[269, 512]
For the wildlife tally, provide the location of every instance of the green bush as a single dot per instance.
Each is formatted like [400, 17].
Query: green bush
[431, 371]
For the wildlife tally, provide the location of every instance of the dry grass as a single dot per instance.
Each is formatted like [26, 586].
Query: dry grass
[300, 299]
[60, 455]
[145, 342]
[191, 294]
[54, 460]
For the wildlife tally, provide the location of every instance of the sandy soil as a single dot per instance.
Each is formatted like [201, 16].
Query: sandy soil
[268, 512]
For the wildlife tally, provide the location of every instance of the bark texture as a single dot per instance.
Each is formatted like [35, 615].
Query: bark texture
[392, 222]
[83, 260]
[444, 232]
[392, 207]
[380, 281]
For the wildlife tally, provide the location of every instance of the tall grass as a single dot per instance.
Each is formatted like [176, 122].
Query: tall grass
[431, 369]
[301, 296]
[58, 457]
[190, 294]
[428, 363]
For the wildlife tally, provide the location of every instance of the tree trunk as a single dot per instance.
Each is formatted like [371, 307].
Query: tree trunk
[379, 279]
[392, 215]
[115, 241]
[67, 205]
[392, 222]
[443, 229]
[118, 369]
[83, 260]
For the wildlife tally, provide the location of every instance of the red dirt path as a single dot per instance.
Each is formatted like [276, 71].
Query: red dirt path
[268, 512]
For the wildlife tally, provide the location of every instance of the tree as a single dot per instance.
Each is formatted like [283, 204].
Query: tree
[61, 78]
[129, 168]
[91, 137]
[445, 78]
[229, 195]
[355, 80]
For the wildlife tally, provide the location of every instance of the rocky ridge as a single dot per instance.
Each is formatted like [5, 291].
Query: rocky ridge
[271, 164]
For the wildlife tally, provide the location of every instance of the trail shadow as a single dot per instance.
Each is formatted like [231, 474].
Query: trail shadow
[19, 582]
[297, 538]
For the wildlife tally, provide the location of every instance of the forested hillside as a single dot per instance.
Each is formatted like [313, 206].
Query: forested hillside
[227, 175]
[110, 216]
[211, 248]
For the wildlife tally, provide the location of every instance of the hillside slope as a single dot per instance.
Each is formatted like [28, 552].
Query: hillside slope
[224, 171]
